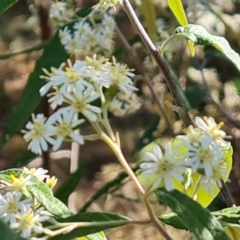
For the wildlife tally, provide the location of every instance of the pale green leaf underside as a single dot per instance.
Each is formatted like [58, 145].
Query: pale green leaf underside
[199, 35]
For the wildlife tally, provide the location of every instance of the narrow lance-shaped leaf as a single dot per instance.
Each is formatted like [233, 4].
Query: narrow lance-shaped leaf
[196, 219]
[199, 35]
[45, 196]
[6, 4]
[178, 11]
[149, 14]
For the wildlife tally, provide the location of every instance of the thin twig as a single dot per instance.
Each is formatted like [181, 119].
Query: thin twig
[46, 33]
[140, 69]
[75, 151]
[160, 62]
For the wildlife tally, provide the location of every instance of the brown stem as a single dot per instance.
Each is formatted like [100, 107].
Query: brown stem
[160, 62]
[46, 33]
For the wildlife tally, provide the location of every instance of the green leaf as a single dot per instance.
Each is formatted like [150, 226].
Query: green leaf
[178, 11]
[149, 14]
[179, 88]
[197, 219]
[92, 222]
[5, 175]
[199, 35]
[6, 4]
[228, 214]
[68, 187]
[195, 96]
[173, 220]
[45, 196]
[7, 233]
[109, 186]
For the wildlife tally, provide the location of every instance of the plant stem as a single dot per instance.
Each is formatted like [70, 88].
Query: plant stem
[167, 41]
[118, 153]
[155, 220]
[160, 62]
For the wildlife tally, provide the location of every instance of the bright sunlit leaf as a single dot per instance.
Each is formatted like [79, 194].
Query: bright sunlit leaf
[199, 35]
[178, 11]
[148, 11]
[233, 231]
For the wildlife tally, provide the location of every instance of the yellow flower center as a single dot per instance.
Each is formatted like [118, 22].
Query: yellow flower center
[72, 75]
[64, 129]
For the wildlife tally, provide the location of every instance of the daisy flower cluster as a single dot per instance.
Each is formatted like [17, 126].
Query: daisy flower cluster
[90, 35]
[81, 91]
[105, 4]
[202, 150]
[18, 209]
[60, 12]
[124, 104]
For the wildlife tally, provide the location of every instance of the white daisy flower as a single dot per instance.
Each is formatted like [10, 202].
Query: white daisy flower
[81, 28]
[29, 222]
[73, 45]
[203, 155]
[11, 204]
[108, 23]
[80, 103]
[219, 173]
[57, 9]
[40, 173]
[19, 183]
[120, 75]
[65, 35]
[95, 71]
[105, 4]
[210, 127]
[45, 88]
[38, 134]
[65, 122]
[72, 79]
[116, 107]
[123, 104]
[165, 166]
[56, 98]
